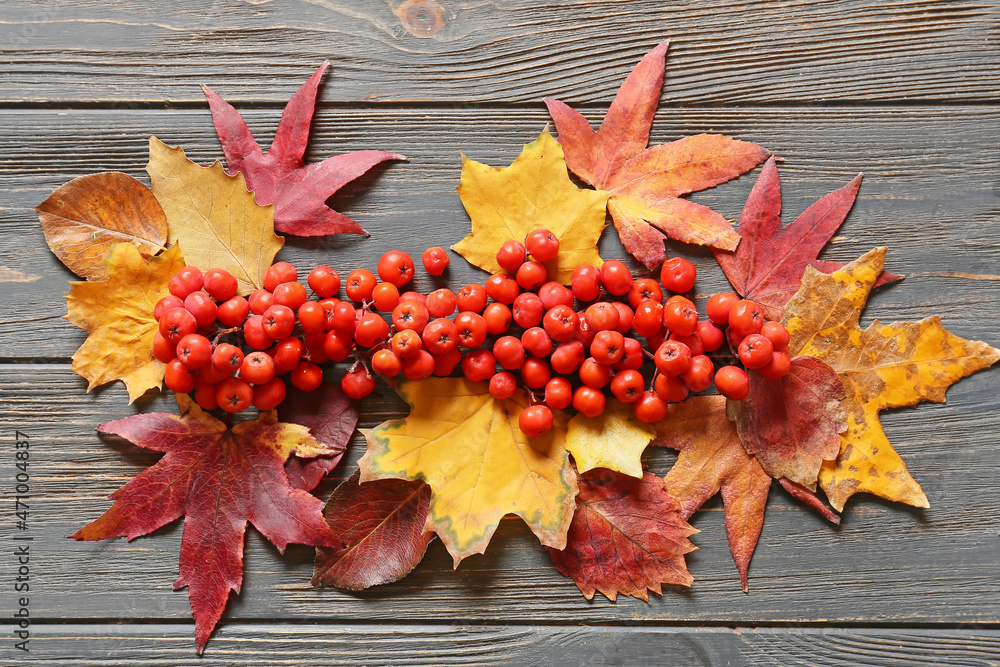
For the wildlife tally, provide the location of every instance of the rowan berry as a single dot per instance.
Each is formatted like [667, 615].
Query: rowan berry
[632, 359]
[435, 260]
[357, 382]
[371, 330]
[312, 317]
[395, 267]
[278, 322]
[698, 375]
[719, 305]
[440, 336]
[648, 318]
[608, 347]
[227, 358]
[779, 366]
[291, 294]
[410, 315]
[260, 300]
[213, 375]
[338, 345]
[387, 363]
[418, 366]
[257, 368]
[777, 334]
[441, 302]
[307, 376]
[179, 378]
[535, 421]
[732, 382]
[509, 352]
[586, 282]
[415, 296]
[755, 351]
[553, 294]
[746, 318]
[187, 279]
[560, 323]
[386, 297]
[650, 408]
[616, 277]
[234, 394]
[645, 289]
[233, 312]
[177, 323]
[163, 350]
[472, 298]
[625, 317]
[502, 288]
[498, 318]
[678, 275]
[269, 395]
[603, 316]
[680, 318]
[287, 354]
[588, 401]
[503, 385]
[277, 273]
[542, 245]
[670, 389]
[628, 386]
[537, 342]
[360, 284]
[584, 332]
[558, 393]
[594, 374]
[567, 357]
[527, 310]
[471, 329]
[194, 351]
[220, 284]
[314, 348]
[531, 275]
[535, 372]
[201, 305]
[479, 365]
[511, 255]
[406, 343]
[165, 304]
[672, 358]
[712, 337]
[445, 363]
[694, 342]
[324, 281]
[205, 395]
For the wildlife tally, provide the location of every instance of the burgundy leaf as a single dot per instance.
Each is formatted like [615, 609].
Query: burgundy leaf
[378, 532]
[298, 191]
[330, 417]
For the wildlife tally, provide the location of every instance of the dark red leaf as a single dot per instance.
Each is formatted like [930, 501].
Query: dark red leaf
[768, 264]
[217, 479]
[793, 424]
[378, 531]
[627, 536]
[330, 417]
[809, 498]
[297, 190]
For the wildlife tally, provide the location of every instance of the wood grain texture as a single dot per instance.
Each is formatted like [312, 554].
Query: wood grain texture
[930, 193]
[885, 564]
[267, 645]
[127, 52]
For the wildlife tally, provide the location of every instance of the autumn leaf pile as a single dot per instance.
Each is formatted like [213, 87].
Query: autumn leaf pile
[458, 463]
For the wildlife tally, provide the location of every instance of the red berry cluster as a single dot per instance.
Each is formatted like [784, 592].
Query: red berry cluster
[232, 352]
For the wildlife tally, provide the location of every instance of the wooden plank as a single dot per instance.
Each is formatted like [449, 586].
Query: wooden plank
[127, 52]
[438, 645]
[885, 564]
[929, 193]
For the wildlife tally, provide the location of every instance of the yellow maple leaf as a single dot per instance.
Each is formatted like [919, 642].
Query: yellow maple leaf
[214, 216]
[467, 447]
[883, 366]
[614, 440]
[117, 314]
[534, 192]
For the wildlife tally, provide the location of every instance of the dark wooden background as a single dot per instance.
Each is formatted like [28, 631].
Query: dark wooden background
[904, 91]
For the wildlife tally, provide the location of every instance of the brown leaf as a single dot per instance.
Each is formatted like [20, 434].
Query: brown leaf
[883, 366]
[379, 529]
[627, 536]
[713, 459]
[793, 424]
[82, 219]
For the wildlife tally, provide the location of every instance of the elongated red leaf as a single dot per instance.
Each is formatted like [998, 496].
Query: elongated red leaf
[330, 417]
[217, 479]
[378, 530]
[793, 424]
[767, 266]
[627, 536]
[644, 184]
[298, 191]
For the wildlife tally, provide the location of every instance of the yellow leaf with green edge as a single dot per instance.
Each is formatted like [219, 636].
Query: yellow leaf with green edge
[117, 314]
[214, 216]
[467, 447]
[883, 366]
[614, 440]
[534, 192]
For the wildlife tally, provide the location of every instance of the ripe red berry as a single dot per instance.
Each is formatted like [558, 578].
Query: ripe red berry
[313, 344]
[719, 306]
[360, 284]
[603, 316]
[779, 366]
[648, 318]
[535, 421]
[205, 395]
[509, 352]
[441, 302]
[645, 289]
[212, 375]
[416, 296]
[440, 336]
[594, 374]
[220, 284]
[324, 281]
[553, 294]
[535, 372]
[670, 389]
[531, 275]
[672, 358]
[277, 273]
[498, 318]
[628, 386]
[537, 342]
[625, 317]
[589, 401]
[233, 312]
[616, 277]
[194, 351]
[409, 314]
[755, 351]
[650, 408]
[338, 345]
[567, 357]
[307, 376]
[269, 395]
[503, 385]
[201, 305]
[746, 318]
[278, 321]
[511, 255]
[479, 365]
[445, 363]
[257, 368]
[542, 245]
[712, 337]
[254, 334]
[471, 329]
[386, 297]
[406, 343]
[777, 334]
[177, 323]
[260, 300]
[163, 350]
[472, 298]
[234, 394]
[179, 378]
[187, 279]
[678, 275]
[732, 382]
[693, 342]
[698, 375]
[312, 317]
[358, 382]
[560, 323]
[418, 366]
[558, 393]
[586, 282]
[291, 294]
[395, 267]
[527, 310]
[608, 347]
[633, 357]
[435, 260]
[680, 318]
[165, 304]
[371, 330]
[287, 355]
[227, 358]
[502, 288]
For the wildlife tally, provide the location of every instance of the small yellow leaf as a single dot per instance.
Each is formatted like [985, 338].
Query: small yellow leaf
[614, 440]
[467, 447]
[534, 192]
[883, 366]
[118, 316]
[214, 216]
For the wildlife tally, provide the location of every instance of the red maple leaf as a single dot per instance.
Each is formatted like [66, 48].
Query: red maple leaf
[644, 185]
[217, 478]
[379, 532]
[298, 191]
[768, 264]
[627, 536]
